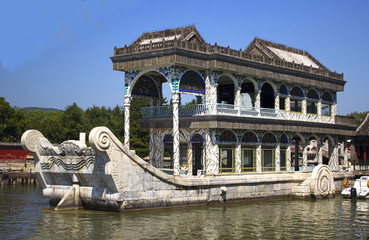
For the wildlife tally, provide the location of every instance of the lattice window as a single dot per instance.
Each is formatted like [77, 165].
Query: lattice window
[192, 82]
[283, 89]
[269, 138]
[249, 137]
[227, 136]
[145, 86]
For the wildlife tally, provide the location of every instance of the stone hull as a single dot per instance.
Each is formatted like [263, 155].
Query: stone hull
[111, 177]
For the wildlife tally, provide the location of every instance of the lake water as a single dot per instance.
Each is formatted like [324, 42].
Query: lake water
[25, 214]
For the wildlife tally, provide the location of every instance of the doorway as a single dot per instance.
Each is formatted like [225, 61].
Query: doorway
[196, 157]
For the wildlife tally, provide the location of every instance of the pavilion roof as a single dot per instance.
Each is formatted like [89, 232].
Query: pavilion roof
[188, 33]
[189, 39]
[276, 51]
[363, 129]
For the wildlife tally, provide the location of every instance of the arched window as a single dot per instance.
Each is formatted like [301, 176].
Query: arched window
[312, 104]
[168, 151]
[327, 97]
[296, 152]
[268, 152]
[168, 138]
[284, 139]
[192, 82]
[283, 152]
[145, 86]
[267, 96]
[247, 94]
[283, 92]
[249, 137]
[197, 138]
[225, 90]
[312, 94]
[327, 104]
[296, 100]
[197, 148]
[269, 138]
[227, 152]
[297, 92]
[228, 137]
[248, 151]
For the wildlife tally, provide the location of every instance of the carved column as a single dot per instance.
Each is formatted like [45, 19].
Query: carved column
[288, 158]
[258, 158]
[288, 106]
[278, 158]
[334, 111]
[333, 161]
[276, 101]
[151, 147]
[211, 89]
[258, 98]
[237, 96]
[304, 108]
[212, 154]
[238, 158]
[190, 163]
[346, 159]
[175, 101]
[127, 104]
[305, 158]
[319, 111]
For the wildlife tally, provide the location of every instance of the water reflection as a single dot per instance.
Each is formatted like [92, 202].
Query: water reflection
[334, 218]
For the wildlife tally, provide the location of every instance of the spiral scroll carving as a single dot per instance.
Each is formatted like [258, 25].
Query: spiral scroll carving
[104, 140]
[30, 140]
[100, 138]
[322, 182]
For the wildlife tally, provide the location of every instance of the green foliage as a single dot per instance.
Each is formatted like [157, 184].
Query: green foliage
[359, 117]
[11, 122]
[140, 138]
[59, 126]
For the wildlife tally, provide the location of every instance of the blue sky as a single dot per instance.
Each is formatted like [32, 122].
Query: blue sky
[54, 53]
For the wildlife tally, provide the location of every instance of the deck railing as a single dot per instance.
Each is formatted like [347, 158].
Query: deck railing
[361, 164]
[213, 109]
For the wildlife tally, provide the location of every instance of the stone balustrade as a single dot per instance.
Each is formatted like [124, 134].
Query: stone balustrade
[232, 110]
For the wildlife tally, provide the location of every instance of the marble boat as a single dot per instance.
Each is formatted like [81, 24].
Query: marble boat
[108, 176]
[263, 124]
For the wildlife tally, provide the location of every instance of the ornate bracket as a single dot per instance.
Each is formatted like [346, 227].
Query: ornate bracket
[214, 75]
[173, 74]
[128, 79]
[240, 79]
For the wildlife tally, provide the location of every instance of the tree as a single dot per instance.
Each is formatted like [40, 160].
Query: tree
[74, 122]
[139, 140]
[11, 122]
[52, 126]
[359, 117]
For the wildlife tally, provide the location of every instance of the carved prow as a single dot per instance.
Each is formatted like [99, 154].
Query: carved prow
[71, 200]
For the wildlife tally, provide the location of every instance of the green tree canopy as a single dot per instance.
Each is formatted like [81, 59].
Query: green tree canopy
[359, 117]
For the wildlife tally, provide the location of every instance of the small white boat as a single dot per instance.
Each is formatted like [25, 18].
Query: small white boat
[360, 188]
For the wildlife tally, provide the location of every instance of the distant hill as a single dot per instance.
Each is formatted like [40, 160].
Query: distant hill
[39, 108]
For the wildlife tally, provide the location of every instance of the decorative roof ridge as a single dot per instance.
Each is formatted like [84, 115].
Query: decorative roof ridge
[178, 33]
[286, 48]
[362, 124]
[180, 43]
